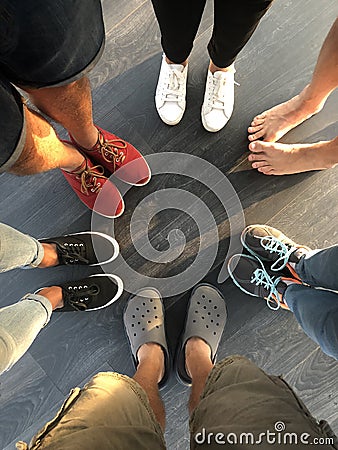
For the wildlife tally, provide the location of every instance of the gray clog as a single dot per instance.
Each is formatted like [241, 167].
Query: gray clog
[144, 322]
[206, 318]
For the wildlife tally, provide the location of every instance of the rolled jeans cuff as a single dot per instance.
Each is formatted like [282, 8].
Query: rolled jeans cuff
[39, 255]
[43, 301]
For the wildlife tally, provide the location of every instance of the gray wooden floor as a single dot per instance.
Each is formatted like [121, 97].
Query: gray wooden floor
[275, 65]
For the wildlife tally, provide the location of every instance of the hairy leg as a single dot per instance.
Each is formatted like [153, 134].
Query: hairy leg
[149, 372]
[199, 365]
[43, 150]
[272, 124]
[71, 106]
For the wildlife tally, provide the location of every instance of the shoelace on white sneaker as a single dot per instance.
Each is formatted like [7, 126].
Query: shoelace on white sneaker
[176, 82]
[217, 98]
[261, 278]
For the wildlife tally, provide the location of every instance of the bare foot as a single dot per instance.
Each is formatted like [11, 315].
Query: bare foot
[272, 124]
[197, 357]
[281, 159]
[153, 353]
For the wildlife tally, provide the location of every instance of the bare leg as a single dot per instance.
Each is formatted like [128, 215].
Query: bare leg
[71, 106]
[199, 365]
[271, 125]
[54, 295]
[149, 372]
[280, 159]
[43, 150]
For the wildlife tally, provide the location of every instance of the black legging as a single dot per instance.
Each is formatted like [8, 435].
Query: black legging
[234, 23]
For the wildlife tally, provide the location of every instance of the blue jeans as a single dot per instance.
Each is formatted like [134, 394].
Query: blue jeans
[316, 306]
[21, 322]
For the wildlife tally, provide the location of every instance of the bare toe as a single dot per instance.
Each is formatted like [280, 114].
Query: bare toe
[257, 121]
[266, 170]
[256, 157]
[256, 147]
[255, 129]
[259, 164]
[255, 136]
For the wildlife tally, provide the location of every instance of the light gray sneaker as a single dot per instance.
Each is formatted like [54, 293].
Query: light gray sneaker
[171, 91]
[218, 100]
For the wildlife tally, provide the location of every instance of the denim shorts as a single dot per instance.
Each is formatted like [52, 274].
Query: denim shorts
[43, 43]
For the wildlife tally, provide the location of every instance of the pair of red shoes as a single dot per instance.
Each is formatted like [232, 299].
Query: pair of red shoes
[113, 155]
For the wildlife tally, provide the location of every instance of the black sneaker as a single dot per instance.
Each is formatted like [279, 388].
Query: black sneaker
[82, 248]
[269, 244]
[250, 275]
[89, 294]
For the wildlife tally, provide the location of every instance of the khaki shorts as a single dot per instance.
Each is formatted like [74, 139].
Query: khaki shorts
[240, 405]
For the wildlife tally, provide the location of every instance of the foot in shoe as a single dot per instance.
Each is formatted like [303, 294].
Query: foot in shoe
[87, 248]
[89, 294]
[218, 100]
[171, 92]
[269, 244]
[119, 157]
[250, 275]
[88, 182]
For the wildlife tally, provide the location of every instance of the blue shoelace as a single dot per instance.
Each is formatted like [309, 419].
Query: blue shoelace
[261, 278]
[273, 245]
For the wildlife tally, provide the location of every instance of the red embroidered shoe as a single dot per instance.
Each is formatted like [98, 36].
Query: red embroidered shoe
[88, 182]
[117, 155]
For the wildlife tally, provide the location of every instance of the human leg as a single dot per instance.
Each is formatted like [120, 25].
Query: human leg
[111, 411]
[241, 404]
[18, 249]
[271, 125]
[89, 248]
[316, 310]
[314, 267]
[21, 322]
[144, 324]
[318, 268]
[278, 159]
[234, 24]
[178, 22]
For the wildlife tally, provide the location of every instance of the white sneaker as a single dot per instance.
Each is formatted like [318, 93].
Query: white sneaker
[218, 100]
[170, 92]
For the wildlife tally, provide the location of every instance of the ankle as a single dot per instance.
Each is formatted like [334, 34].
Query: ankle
[151, 354]
[50, 257]
[54, 295]
[213, 68]
[74, 161]
[311, 99]
[198, 358]
[184, 63]
[86, 139]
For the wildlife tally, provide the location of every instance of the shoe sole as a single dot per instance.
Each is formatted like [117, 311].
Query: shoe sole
[175, 122]
[180, 346]
[138, 184]
[208, 129]
[118, 294]
[106, 236]
[252, 252]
